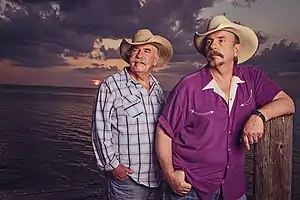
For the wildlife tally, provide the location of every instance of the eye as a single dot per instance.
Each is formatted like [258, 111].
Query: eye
[221, 40]
[208, 42]
[147, 51]
[134, 50]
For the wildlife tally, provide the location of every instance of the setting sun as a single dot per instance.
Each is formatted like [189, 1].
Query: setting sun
[96, 82]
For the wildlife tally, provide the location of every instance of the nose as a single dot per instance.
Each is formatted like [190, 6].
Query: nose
[139, 54]
[212, 45]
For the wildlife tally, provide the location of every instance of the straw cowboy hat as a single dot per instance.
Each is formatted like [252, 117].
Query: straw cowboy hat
[144, 36]
[247, 37]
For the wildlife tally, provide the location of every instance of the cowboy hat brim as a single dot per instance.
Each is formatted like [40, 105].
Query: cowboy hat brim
[162, 44]
[247, 37]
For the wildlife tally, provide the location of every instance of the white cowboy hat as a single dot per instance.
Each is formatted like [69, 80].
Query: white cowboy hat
[247, 37]
[144, 36]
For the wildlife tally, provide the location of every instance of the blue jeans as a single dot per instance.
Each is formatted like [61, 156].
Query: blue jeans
[130, 190]
[192, 195]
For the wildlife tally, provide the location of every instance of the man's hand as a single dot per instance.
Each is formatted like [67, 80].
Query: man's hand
[121, 172]
[177, 182]
[253, 131]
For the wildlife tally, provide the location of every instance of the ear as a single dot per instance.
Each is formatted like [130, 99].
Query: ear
[237, 48]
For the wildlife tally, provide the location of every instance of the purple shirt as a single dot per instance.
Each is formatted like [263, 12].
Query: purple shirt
[206, 131]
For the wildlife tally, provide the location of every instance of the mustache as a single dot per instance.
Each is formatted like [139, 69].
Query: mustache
[215, 53]
[140, 60]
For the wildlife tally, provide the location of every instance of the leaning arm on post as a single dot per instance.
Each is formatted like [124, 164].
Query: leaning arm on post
[282, 104]
[270, 99]
[271, 102]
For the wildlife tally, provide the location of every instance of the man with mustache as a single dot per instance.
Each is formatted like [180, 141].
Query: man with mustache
[125, 116]
[211, 113]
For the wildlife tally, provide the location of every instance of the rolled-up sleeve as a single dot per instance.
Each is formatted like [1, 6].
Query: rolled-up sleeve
[101, 129]
[265, 88]
[172, 117]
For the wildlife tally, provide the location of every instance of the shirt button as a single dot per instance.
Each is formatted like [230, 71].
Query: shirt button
[229, 132]
[228, 149]
[227, 166]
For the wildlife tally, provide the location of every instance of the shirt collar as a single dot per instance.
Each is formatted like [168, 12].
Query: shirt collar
[130, 80]
[213, 84]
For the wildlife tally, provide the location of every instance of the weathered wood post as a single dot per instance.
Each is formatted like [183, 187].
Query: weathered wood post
[273, 161]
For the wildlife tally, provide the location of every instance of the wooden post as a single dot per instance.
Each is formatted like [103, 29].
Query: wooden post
[273, 161]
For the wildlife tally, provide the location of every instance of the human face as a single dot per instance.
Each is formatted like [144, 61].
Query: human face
[143, 58]
[221, 48]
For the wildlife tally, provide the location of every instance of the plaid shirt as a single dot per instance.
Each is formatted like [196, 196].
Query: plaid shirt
[124, 123]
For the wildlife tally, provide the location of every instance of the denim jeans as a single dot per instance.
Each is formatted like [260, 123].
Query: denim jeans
[192, 195]
[130, 190]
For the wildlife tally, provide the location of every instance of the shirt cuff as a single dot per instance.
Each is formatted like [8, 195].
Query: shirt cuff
[165, 125]
[112, 165]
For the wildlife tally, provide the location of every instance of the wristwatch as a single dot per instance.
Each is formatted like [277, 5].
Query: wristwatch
[259, 114]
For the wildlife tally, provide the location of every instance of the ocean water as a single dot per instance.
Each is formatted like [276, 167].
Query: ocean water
[45, 145]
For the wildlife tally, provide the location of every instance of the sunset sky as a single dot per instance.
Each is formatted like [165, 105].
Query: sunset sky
[71, 43]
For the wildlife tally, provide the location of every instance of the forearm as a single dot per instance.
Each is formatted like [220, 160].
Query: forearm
[281, 105]
[104, 152]
[164, 152]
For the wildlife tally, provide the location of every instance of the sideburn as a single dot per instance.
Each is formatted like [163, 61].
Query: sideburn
[235, 60]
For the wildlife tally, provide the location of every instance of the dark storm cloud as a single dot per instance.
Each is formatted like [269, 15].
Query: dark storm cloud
[262, 38]
[246, 3]
[96, 69]
[41, 31]
[118, 19]
[41, 55]
[37, 38]
[282, 56]
[110, 53]
[65, 5]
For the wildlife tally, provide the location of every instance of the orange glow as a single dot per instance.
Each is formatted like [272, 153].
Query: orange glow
[96, 82]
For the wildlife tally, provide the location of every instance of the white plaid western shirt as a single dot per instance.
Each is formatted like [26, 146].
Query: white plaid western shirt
[124, 124]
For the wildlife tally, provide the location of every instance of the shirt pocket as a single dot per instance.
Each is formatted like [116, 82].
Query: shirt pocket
[248, 100]
[202, 113]
[133, 105]
[199, 122]
[200, 119]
